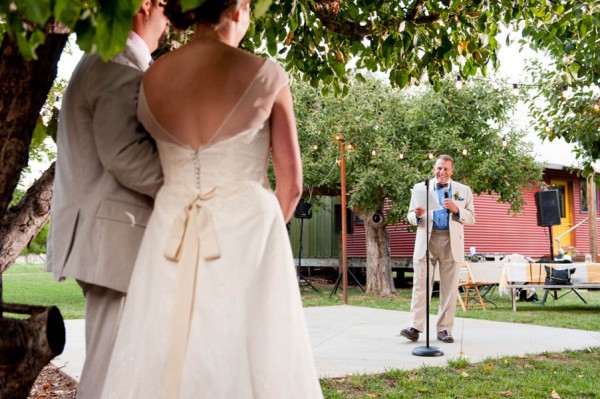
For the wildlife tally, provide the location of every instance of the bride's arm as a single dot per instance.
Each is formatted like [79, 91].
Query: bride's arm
[285, 150]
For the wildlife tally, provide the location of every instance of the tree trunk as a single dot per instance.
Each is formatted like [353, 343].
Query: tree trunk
[26, 346]
[23, 221]
[379, 262]
[24, 87]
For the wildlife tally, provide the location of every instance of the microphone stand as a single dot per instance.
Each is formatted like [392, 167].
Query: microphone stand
[427, 351]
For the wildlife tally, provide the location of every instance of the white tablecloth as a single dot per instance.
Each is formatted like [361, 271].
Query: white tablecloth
[535, 273]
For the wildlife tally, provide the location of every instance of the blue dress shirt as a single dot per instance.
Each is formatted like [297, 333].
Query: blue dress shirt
[441, 218]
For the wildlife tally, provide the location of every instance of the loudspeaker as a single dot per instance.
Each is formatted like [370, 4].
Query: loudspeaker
[303, 210]
[548, 208]
[337, 216]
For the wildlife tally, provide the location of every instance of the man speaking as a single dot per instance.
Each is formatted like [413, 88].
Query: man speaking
[446, 246]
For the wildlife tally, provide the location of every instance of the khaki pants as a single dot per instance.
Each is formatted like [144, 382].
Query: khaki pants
[440, 252]
[103, 309]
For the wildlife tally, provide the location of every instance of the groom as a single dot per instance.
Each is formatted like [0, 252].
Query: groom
[446, 247]
[107, 174]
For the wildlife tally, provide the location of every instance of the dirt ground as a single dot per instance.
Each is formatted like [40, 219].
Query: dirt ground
[53, 383]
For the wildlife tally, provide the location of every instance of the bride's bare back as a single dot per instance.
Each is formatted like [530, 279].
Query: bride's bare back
[194, 92]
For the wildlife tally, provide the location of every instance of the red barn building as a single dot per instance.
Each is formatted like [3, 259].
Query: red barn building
[496, 231]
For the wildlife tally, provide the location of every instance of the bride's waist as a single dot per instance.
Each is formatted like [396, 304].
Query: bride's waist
[183, 192]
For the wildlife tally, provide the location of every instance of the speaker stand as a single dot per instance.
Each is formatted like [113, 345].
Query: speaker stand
[301, 278]
[427, 351]
[551, 245]
[339, 279]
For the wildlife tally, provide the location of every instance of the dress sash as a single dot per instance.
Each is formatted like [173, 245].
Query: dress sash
[190, 238]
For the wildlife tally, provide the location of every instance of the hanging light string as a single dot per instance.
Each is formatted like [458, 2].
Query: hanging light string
[566, 92]
[429, 154]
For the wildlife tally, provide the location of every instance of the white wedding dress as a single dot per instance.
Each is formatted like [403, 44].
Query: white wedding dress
[213, 308]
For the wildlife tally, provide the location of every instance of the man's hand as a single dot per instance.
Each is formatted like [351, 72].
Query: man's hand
[450, 205]
[419, 212]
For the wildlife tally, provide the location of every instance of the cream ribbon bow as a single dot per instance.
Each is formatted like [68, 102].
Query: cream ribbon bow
[191, 237]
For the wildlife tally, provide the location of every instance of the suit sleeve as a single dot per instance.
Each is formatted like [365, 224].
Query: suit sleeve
[467, 214]
[125, 148]
[412, 218]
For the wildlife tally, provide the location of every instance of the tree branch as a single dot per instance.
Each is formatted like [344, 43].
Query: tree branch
[329, 17]
[416, 10]
[23, 221]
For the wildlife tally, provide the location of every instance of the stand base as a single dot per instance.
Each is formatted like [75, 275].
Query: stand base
[302, 280]
[427, 351]
[336, 286]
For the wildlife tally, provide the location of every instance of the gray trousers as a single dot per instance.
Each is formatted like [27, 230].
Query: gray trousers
[440, 252]
[103, 309]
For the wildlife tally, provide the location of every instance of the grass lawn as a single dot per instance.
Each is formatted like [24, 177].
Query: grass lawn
[30, 284]
[570, 374]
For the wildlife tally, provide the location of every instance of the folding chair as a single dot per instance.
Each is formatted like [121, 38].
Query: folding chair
[470, 295]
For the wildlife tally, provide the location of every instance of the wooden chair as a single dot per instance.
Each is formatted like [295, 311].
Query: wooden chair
[470, 295]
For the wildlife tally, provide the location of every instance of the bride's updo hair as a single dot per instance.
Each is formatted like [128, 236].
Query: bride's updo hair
[208, 13]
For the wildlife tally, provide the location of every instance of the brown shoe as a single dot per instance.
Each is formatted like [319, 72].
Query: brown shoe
[410, 333]
[445, 336]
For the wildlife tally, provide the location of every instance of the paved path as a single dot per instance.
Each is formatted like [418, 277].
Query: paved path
[356, 340]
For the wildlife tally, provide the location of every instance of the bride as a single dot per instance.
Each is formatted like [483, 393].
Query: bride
[213, 309]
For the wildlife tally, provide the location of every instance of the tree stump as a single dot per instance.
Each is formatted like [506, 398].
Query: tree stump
[27, 345]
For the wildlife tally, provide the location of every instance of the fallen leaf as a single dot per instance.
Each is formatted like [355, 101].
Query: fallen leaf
[506, 393]
[555, 394]
[371, 395]
[489, 367]
[464, 374]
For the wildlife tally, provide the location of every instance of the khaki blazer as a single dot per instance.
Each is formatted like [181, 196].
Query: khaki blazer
[107, 173]
[463, 198]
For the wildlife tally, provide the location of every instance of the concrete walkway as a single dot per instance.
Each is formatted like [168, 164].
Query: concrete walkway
[356, 340]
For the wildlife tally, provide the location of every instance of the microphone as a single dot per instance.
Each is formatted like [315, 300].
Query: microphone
[446, 196]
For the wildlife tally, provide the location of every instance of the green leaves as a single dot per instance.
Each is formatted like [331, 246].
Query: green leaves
[389, 134]
[112, 26]
[569, 32]
[68, 11]
[37, 12]
[190, 4]
[103, 30]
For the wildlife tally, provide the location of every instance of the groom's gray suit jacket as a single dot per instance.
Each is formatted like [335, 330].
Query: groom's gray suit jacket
[107, 173]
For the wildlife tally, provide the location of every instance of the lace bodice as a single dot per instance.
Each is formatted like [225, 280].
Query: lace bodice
[225, 164]
[236, 152]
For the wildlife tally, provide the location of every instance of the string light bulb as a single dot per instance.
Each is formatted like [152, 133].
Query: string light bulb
[504, 142]
[373, 152]
[566, 90]
[515, 89]
[464, 151]
[315, 147]
[547, 128]
[401, 156]
[458, 84]
[430, 155]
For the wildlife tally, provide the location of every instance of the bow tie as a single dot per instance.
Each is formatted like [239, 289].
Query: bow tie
[440, 185]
